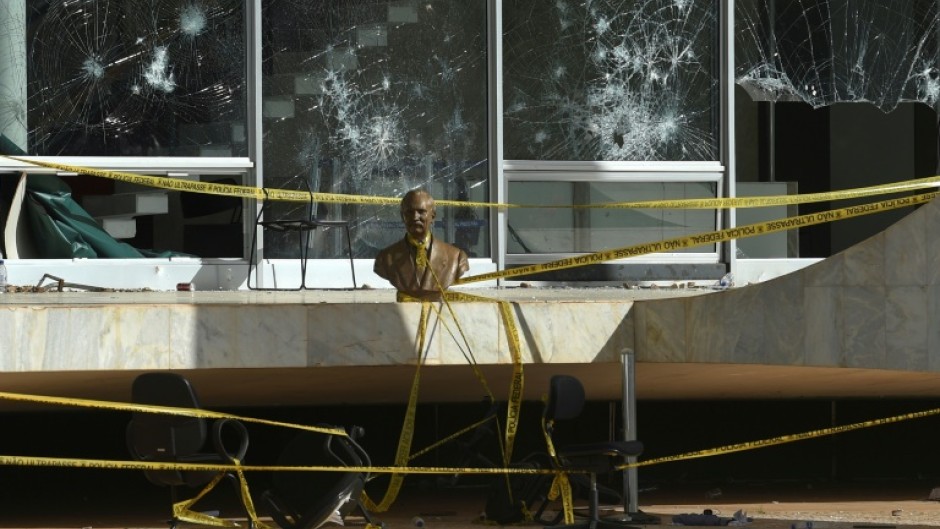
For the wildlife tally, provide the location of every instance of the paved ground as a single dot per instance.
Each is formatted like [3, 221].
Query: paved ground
[770, 507]
[901, 505]
[783, 506]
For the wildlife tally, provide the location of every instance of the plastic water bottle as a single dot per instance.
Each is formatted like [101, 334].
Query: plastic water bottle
[3, 277]
[726, 281]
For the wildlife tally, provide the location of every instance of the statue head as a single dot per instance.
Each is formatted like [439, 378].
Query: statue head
[417, 212]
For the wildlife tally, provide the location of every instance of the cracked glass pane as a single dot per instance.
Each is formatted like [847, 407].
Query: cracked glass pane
[122, 77]
[611, 80]
[823, 52]
[375, 97]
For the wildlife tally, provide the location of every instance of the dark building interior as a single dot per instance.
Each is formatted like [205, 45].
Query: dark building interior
[880, 456]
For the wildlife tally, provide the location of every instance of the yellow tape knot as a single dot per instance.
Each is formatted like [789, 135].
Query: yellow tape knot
[421, 251]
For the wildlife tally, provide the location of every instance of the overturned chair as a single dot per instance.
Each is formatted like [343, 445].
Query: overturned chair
[173, 438]
[306, 499]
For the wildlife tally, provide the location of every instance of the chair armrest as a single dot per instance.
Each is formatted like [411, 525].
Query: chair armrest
[353, 454]
[355, 434]
[239, 431]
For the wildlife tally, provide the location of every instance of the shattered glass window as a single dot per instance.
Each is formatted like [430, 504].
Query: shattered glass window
[374, 98]
[823, 52]
[611, 80]
[123, 77]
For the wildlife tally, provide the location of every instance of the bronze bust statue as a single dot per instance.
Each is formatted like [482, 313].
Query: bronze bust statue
[419, 265]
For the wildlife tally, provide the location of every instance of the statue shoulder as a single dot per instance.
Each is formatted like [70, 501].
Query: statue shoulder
[456, 255]
[396, 247]
[450, 249]
[386, 258]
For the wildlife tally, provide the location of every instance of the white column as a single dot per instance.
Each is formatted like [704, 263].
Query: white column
[630, 479]
[13, 72]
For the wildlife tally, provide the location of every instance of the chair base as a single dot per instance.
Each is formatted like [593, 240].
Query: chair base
[616, 521]
[595, 524]
[303, 227]
[634, 517]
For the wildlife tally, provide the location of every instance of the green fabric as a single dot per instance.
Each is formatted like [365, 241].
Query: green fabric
[62, 229]
[59, 227]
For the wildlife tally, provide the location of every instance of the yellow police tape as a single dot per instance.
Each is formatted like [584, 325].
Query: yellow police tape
[407, 430]
[178, 184]
[677, 243]
[8, 460]
[183, 511]
[517, 384]
[402, 454]
[515, 399]
[459, 433]
[110, 464]
[514, 404]
[773, 441]
[780, 200]
[512, 334]
[515, 347]
[711, 237]
[168, 410]
[560, 486]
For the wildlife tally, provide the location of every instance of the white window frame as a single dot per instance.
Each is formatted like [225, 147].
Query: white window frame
[616, 172]
[720, 171]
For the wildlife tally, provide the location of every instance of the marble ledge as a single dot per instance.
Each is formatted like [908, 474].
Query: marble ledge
[185, 336]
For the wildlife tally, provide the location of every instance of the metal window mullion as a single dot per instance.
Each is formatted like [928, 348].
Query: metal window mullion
[499, 187]
[255, 133]
[726, 30]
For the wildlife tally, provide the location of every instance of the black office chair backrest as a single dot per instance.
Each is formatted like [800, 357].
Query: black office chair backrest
[297, 488]
[565, 398]
[162, 436]
[305, 499]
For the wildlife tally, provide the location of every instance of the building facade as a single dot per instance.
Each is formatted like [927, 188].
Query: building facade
[522, 102]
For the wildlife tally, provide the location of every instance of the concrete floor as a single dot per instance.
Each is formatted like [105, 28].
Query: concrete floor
[769, 506]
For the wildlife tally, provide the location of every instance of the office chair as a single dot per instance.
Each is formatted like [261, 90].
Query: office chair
[302, 225]
[306, 499]
[158, 437]
[565, 402]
